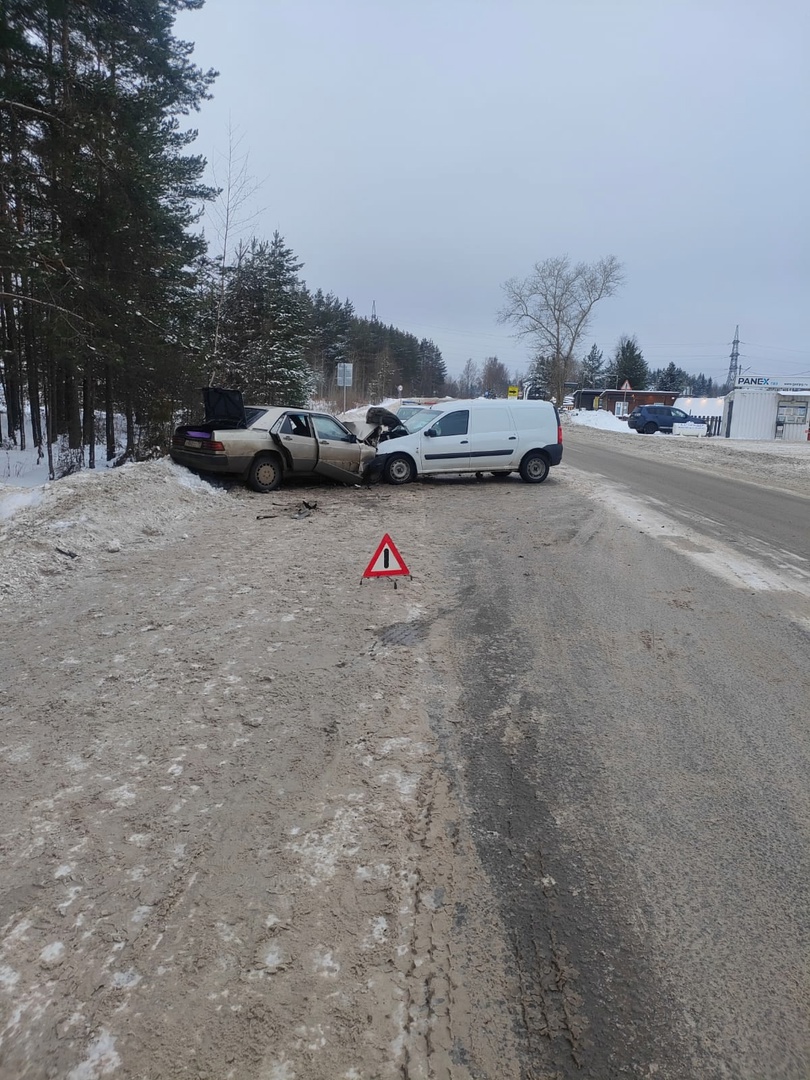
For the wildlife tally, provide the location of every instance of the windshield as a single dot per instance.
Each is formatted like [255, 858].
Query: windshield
[420, 419]
[405, 412]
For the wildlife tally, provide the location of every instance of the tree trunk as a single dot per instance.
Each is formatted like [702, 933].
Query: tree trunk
[33, 379]
[49, 396]
[129, 449]
[109, 415]
[89, 418]
[73, 419]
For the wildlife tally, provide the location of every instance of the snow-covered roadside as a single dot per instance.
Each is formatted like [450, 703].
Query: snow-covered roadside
[781, 465]
[47, 531]
[596, 418]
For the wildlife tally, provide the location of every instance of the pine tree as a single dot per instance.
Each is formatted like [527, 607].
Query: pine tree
[264, 325]
[328, 337]
[432, 370]
[95, 228]
[628, 365]
[591, 371]
[672, 378]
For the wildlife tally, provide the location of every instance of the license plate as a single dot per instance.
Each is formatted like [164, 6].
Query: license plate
[194, 443]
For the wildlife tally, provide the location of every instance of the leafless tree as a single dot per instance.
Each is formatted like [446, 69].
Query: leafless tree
[469, 382]
[495, 376]
[552, 308]
[230, 215]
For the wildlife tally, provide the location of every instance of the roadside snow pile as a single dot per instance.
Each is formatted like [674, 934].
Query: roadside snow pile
[59, 527]
[598, 418]
[13, 499]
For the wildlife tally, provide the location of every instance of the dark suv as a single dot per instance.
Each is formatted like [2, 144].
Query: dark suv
[651, 418]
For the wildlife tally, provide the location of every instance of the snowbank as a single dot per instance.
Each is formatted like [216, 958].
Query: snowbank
[13, 499]
[597, 418]
[62, 525]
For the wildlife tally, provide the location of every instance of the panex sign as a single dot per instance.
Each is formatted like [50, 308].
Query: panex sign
[773, 382]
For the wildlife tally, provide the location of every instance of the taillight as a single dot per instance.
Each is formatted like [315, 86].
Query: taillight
[213, 445]
[559, 434]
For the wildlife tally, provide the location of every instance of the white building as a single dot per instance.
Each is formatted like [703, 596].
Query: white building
[768, 407]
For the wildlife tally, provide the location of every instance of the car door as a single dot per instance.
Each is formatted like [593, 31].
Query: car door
[493, 439]
[339, 452]
[446, 443]
[676, 416]
[295, 433]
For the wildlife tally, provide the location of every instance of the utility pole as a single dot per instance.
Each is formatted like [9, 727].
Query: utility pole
[734, 362]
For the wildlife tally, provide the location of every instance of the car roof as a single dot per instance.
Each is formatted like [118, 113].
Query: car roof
[271, 413]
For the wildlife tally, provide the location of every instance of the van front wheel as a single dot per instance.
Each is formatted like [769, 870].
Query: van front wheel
[534, 468]
[399, 469]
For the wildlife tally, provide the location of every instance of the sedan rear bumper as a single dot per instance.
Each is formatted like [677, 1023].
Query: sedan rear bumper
[213, 463]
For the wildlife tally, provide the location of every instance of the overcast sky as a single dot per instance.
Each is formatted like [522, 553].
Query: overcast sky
[417, 153]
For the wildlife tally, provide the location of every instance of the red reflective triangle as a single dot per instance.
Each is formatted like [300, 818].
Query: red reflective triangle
[386, 561]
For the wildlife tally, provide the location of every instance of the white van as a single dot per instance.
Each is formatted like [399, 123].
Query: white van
[498, 436]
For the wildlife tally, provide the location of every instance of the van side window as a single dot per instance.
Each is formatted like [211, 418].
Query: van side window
[455, 423]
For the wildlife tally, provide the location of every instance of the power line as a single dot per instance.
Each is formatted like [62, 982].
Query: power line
[781, 348]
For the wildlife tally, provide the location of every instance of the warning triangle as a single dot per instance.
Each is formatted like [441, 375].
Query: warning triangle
[625, 385]
[386, 561]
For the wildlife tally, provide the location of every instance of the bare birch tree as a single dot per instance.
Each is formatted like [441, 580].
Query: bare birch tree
[236, 187]
[552, 309]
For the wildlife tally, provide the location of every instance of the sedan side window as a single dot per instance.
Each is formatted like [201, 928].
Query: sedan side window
[455, 423]
[678, 415]
[296, 424]
[327, 428]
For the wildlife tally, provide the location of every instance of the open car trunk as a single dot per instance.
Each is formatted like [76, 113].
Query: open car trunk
[223, 408]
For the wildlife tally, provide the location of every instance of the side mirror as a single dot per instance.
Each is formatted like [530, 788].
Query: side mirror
[430, 433]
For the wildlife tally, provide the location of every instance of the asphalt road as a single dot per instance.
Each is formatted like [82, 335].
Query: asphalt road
[631, 740]
[730, 509]
[541, 813]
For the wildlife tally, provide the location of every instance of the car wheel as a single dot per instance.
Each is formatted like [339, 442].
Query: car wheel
[534, 468]
[399, 469]
[650, 428]
[264, 474]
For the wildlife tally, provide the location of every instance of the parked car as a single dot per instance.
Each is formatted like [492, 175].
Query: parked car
[265, 444]
[651, 418]
[476, 436]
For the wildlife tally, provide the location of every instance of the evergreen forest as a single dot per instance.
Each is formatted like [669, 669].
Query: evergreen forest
[111, 302]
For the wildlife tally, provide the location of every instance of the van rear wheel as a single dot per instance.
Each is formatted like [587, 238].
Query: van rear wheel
[534, 468]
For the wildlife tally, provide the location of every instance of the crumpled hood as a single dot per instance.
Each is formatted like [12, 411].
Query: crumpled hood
[379, 424]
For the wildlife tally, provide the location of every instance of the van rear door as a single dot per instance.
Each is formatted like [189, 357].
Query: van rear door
[493, 439]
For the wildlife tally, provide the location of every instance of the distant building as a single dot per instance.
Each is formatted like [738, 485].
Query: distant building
[768, 407]
[621, 402]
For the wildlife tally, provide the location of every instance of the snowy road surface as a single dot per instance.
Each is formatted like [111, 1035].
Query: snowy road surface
[540, 812]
